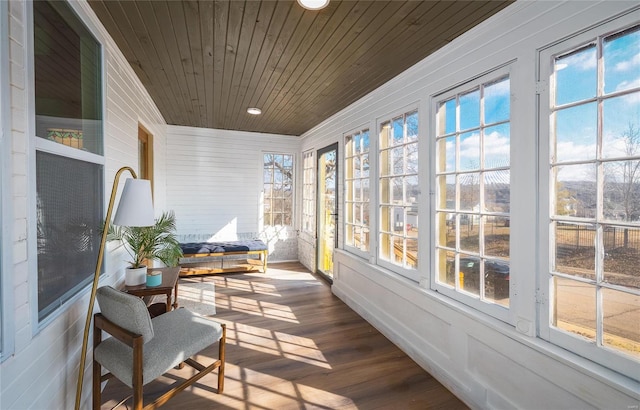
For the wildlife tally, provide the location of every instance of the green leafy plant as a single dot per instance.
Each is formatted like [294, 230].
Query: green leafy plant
[150, 242]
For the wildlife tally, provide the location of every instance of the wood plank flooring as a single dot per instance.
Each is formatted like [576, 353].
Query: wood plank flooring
[291, 344]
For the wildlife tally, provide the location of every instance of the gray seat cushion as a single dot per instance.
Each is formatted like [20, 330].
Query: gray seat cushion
[126, 311]
[179, 334]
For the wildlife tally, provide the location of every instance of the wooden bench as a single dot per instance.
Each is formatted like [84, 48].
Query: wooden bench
[199, 257]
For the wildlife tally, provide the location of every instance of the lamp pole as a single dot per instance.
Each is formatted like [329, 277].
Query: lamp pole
[96, 277]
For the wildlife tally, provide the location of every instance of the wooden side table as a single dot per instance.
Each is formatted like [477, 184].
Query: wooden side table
[169, 284]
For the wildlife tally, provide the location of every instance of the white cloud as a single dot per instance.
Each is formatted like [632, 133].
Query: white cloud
[496, 144]
[583, 172]
[570, 151]
[628, 64]
[584, 60]
[470, 148]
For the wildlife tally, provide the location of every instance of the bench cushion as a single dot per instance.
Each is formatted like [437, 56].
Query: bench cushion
[193, 248]
[179, 334]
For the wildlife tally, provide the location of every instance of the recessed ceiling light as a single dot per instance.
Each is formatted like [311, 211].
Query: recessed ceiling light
[313, 4]
[254, 111]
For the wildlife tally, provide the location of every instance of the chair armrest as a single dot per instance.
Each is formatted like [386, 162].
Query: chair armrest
[123, 335]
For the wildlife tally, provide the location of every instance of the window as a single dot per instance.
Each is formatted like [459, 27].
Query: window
[593, 163]
[398, 179]
[472, 160]
[68, 160]
[356, 188]
[278, 189]
[308, 192]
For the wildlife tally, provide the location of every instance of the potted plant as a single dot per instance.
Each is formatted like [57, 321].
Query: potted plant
[146, 243]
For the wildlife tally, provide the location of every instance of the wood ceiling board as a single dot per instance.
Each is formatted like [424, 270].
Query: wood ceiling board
[144, 57]
[205, 62]
[334, 27]
[190, 10]
[404, 47]
[174, 38]
[374, 37]
[162, 39]
[436, 39]
[190, 54]
[205, 12]
[257, 38]
[247, 30]
[296, 75]
[283, 19]
[284, 98]
[234, 26]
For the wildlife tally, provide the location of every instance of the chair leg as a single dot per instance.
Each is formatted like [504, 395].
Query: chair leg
[137, 375]
[221, 352]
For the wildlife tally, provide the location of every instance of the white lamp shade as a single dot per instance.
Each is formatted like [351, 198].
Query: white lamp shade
[313, 4]
[135, 207]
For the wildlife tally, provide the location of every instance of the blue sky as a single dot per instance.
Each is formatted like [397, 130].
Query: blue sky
[577, 80]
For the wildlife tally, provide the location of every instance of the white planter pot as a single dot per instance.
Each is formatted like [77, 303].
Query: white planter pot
[135, 276]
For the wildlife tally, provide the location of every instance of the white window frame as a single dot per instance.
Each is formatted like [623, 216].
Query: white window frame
[6, 214]
[372, 233]
[607, 357]
[308, 191]
[376, 203]
[498, 311]
[37, 144]
[262, 224]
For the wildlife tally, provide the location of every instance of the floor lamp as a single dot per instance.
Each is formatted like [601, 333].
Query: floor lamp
[134, 209]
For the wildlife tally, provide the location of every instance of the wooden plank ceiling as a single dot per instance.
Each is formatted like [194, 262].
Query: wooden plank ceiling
[205, 62]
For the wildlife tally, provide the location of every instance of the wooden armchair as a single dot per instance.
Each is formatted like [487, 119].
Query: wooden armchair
[142, 349]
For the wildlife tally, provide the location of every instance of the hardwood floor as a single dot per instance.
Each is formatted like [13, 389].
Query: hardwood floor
[291, 344]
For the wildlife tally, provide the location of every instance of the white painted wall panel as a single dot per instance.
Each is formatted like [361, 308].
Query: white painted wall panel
[485, 361]
[42, 372]
[215, 184]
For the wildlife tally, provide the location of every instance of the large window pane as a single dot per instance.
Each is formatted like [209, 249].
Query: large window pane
[576, 132]
[576, 193]
[68, 78]
[278, 190]
[469, 108]
[621, 326]
[621, 127]
[621, 191]
[469, 151]
[497, 146]
[356, 186]
[621, 255]
[399, 190]
[575, 309]
[576, 75]
[621, 60]
[496, 234]
[497, 102]
[68, 227]
[473, 184]
[574, 249]
[594, 174]
[69, 192]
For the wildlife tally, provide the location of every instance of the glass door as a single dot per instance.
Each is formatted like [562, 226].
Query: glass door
[327, 209]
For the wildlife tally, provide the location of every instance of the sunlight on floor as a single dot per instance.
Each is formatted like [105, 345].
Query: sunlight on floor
[256, 308]
[281, 394]
[292, 347]
[249, 286]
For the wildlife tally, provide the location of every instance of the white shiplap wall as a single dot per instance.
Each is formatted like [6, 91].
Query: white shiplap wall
[486, 362]
[215, 185]
[41, 370]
